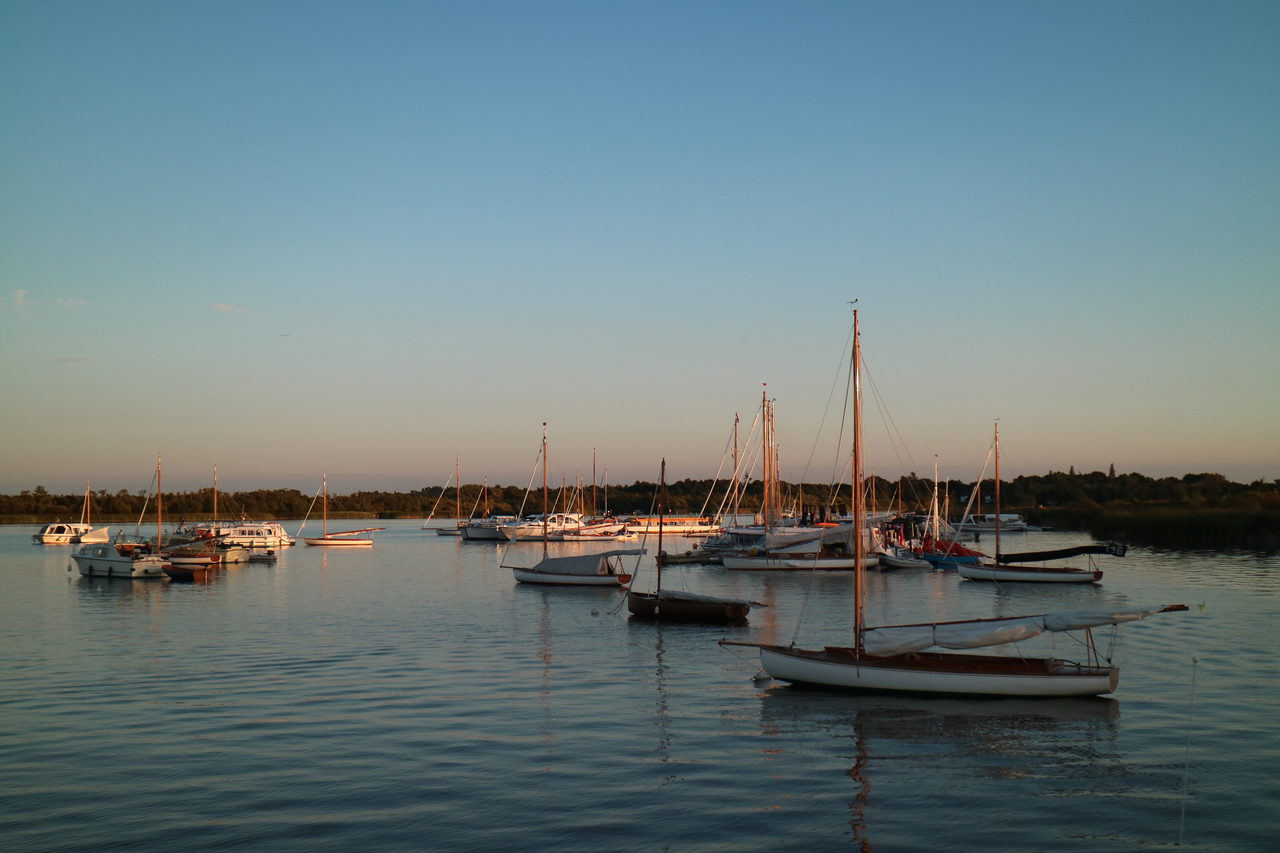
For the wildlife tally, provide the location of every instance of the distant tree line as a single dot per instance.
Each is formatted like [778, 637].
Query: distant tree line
[1196, 510]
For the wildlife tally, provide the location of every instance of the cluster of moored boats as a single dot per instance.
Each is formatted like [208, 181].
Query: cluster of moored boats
[881, 657]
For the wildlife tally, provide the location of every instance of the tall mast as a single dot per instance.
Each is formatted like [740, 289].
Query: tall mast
[662, 511]
[324, 505]
[457, 488]
[544, 490]
[997, 445]
[593, 483]
[159, 506]
[857, 489]
[737, 475]
[215, 500]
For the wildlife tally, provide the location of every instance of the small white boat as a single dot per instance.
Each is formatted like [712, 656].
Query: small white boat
[603, 568]
[1009, 522]
[677, 525]
[119, 560]
[486, 529]
[246, 534]
[60, 533]
[345, 538]
[1026, 574]
[127, 557]
[549, 526]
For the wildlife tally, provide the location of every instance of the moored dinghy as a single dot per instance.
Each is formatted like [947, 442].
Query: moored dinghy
[347, 538]
[667, 605]
[603, 568]
[1003, 570]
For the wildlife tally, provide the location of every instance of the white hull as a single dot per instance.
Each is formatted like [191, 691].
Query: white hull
[1026, 574]
[103, 561]
[818, 668]
[259, 541]
[795, 562]
[531, 576]
[247, 535]
[672, 526]
[59, 533]
[337, 541]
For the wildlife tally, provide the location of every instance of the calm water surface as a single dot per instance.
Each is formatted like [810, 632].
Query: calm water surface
[413, 697]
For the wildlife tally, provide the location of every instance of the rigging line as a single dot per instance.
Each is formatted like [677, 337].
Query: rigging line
[137, 528]
[1186, 760]
[835, 380]
[891, 426]
[728, 442]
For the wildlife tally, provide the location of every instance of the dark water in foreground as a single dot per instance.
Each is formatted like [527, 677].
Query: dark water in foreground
[413, 697]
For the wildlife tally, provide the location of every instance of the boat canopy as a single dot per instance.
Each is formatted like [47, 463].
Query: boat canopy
[584, 564]
[784, 538]
[1062, 553]
[978, 633]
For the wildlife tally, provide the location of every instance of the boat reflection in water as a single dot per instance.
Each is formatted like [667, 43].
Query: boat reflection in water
[902, 745]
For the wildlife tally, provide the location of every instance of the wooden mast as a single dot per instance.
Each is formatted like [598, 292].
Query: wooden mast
[159, 507]
[662, 511]
[858, 591]
[997, 451]
[544, 490]
[457, 490]
[324, 505]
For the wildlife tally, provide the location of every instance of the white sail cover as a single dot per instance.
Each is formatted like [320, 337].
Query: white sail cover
[786, 538]
[583, 564]
[900, 639]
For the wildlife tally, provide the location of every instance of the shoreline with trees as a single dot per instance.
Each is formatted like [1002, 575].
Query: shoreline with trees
[1195, 511]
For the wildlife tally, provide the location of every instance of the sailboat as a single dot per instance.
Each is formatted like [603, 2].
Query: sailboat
[895, 657]
[599, 568]
[669, 605]
[345, 537]
[456, 530]
[815, 548]
[94, 534]
[1005, 570]
[126, 558]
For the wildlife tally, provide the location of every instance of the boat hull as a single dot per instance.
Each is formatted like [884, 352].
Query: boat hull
[935, 672]
[797, 562]
[554, 579]
[891, 561]
[337, 541]
[60, 533]
[482, 534]
[672, 608]
[1026, 574]
[101, 561]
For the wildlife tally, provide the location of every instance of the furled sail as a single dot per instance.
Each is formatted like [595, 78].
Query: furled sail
[1062, 553]
[978, 633]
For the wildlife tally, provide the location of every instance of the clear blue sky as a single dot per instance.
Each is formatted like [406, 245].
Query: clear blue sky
[367, 237]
